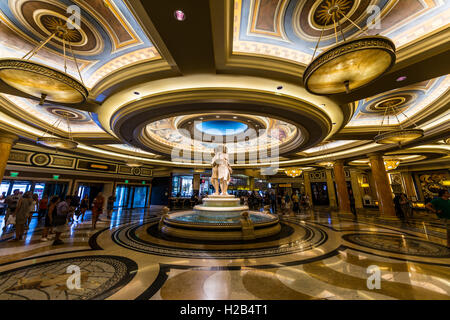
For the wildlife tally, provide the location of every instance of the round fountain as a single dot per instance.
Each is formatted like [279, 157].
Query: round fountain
[219, 218]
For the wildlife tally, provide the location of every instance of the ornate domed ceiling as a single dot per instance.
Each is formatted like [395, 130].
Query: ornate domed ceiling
[231, 65]
[289, 29]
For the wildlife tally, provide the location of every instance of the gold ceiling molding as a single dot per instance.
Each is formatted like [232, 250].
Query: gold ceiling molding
[120, 77]
[214, 87]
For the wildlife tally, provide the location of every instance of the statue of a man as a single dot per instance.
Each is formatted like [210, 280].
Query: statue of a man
[221, 171]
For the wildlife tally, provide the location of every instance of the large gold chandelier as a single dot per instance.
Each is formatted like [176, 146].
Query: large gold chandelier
[348, 65]
[399, 136]
[44, 82]
[391, 164]
[293, 172]
[57, 142]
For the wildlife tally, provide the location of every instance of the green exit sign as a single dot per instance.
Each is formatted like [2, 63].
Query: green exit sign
[14, 174]
[126, 181]
[55, 177]
[143, 182]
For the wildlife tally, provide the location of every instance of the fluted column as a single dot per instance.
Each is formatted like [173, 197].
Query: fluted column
[409, 184]
[356, 187]
[341, 186]
[6, 142]
[331, 190]
[382, 185]
[307, 186]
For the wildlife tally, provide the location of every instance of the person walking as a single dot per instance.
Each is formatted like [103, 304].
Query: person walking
[97, 209]
[406, 206]
[110, 206]
[43, 207]
[398, 207]
[295, 203]
[60, 219]
[84, 206]
[11, 201]
[22, 211]
[48, 217]
[32, 210]
[441, 207]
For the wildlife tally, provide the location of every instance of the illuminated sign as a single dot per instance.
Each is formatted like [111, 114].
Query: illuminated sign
[14, 174]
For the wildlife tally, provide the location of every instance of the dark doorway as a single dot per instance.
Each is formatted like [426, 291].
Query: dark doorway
[160, 191]
[319, 192]
[89, 189]
[130, 197]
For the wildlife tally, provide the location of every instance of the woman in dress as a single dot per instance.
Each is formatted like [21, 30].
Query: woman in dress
[48, 218]
[97, 209]
[22, 211]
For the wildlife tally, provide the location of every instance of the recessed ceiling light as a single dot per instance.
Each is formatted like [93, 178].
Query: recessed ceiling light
[234, 117]
[179, 15]
[402, 78]
[217, 116]
[137, 93]
[279, 87]
[189, 122]
[201, 118]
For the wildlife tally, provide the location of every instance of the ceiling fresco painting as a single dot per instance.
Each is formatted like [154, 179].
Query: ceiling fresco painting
[109, 37]
[401, 104]
[289, 29]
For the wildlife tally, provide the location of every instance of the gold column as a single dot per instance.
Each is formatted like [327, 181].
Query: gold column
[331, 190]
[341, 186]
[356, 187]
[307, 186]
[6, 142]
[409, 184]
[251, 181]
[196, 182]
[382, 186]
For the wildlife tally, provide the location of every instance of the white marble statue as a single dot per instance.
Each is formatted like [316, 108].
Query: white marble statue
[221, 171]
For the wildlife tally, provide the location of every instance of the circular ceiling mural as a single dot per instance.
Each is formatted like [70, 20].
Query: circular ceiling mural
[239, 132]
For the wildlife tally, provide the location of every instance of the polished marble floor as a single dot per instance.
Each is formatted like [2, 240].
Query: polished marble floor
[317, 255]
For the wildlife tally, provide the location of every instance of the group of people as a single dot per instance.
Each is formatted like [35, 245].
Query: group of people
[56, 212]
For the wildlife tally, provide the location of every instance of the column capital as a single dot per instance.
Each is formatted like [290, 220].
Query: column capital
[7, 137]
[375, 156]
[339, 162]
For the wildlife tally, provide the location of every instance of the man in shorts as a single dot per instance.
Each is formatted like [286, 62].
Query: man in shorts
[60, 220]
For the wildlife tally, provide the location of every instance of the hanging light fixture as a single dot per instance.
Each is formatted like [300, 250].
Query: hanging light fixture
[396, 136]
[44, 82]
[323, 152]
[391, 164]
[293, 172]
[57, 142]
[132, 162]
[348, 65]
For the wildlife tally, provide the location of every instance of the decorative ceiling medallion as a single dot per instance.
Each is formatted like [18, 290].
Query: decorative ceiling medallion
[40, 159]
[349, 65]
[399, 136]
[58, 143]
[42, 82]
[321, 15]
[53, 24]
[294, 172]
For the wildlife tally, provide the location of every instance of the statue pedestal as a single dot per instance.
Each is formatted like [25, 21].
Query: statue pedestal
[221, 205]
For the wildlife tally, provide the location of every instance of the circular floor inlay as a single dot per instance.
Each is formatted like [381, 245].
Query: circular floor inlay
[399, 244]
[101, 276]
[294, 237]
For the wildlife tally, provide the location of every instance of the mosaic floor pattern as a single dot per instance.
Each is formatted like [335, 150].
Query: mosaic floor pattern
[317, 255]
